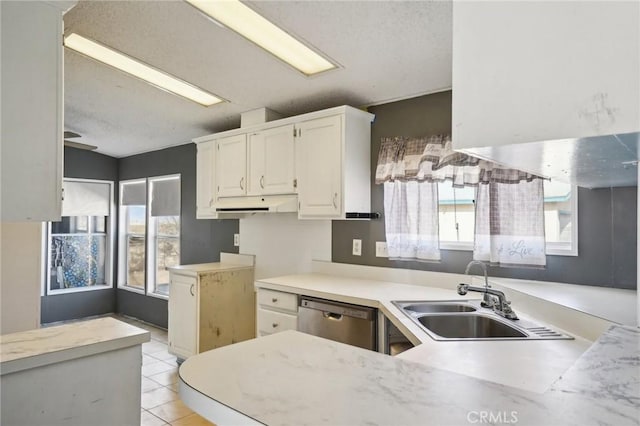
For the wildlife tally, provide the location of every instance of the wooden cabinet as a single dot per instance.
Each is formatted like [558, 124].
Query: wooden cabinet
[333, 159]
[277, 311]
[210, 305]
[323, 156]
[32, 110]
[270, 163]
[320, 167]
[205, 180]
[231, 166]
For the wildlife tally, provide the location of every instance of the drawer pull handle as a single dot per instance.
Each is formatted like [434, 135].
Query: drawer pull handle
[274, 300]
[191, 289]
[274, 325]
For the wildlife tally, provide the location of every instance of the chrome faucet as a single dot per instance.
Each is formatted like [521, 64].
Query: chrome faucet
[494, 299]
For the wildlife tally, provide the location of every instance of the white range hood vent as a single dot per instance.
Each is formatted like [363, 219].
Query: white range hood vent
[238, 207]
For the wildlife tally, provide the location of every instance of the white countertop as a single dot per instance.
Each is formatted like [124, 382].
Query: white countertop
[44, 346]
[296, 379]
[532, 365]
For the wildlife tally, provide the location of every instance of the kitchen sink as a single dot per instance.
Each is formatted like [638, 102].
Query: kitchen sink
[469, 327]
[467, 320]
[434, 307]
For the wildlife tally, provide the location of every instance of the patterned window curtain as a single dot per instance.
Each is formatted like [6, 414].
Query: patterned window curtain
[510, 224]
[411, 220]
[509, 204]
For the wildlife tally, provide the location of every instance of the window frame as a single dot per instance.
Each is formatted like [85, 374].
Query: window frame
[551, 248]
[123, 235]
[109, 247]
[150, 235]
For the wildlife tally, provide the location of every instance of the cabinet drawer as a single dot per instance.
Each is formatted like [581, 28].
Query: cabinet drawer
[278, 300]
[274, 322]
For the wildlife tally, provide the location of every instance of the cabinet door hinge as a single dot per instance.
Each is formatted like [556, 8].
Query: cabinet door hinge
[295, 183]
[218, 188]
[294, 132]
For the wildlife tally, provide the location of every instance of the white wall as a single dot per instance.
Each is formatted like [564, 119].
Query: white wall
[21, 276]
[283, 244]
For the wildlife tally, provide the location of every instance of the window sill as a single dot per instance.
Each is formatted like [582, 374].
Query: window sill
[131, 289]
[78, 289]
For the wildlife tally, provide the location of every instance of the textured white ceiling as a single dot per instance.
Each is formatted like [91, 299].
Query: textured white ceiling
[387, 50]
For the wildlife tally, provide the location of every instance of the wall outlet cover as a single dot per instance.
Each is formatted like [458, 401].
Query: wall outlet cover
[357, 248]
[381, 249]
[236, 240]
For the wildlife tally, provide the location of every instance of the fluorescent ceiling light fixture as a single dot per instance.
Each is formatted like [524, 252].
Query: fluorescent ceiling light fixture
[251, 25]
[137, 69]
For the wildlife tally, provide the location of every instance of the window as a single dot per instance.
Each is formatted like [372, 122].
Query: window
[149, 233]
[456, 214]
[457, 217]
[79, 246]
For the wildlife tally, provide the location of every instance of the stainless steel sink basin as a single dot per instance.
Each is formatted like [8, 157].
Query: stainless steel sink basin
[467, 320]
[469, 327]
[435, 307]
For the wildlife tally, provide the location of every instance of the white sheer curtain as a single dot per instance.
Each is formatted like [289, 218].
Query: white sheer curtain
[411, 220]
[510, 224]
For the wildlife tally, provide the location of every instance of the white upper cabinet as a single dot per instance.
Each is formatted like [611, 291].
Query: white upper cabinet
[270, 166]
[231, 166]
[319, 156]
[551, 88]
[32, 110]
[333, 163]
[205, 180]
[538, 71]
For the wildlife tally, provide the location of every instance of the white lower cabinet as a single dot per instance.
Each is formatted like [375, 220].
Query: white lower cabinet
[210, 306]
[277, 311]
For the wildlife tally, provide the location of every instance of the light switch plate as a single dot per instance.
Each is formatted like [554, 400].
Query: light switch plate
[381, 249]
[236, 240]
[357, 248]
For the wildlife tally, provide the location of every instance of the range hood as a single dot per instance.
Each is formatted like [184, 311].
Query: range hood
[239, 207]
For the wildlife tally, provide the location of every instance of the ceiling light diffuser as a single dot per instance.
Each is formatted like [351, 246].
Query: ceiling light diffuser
[251, 25]
[137, 69]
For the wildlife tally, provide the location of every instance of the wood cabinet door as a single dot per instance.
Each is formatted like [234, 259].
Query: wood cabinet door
[231, 166]
[271, 162]
[183, 316]
[205, 180]
[319, 168]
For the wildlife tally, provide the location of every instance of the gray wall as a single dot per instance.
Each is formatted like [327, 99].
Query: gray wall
[80, 163]
[201, 240]
[606, 217]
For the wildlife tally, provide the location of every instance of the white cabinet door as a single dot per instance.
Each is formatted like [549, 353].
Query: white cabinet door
[319, 166]
[271, 162]
[231, 166]
[32, 110]
[205, 180]
[183, 316]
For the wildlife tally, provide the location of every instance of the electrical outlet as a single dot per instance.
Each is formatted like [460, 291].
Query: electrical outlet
[236, 240]
[357, 248]
[381, 249]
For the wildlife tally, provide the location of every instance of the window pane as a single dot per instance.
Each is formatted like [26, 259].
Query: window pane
[456, 213]
[557, 212]
[135, 261]
[77, 261]
[167, 255]
[136, 219]
[99, 224]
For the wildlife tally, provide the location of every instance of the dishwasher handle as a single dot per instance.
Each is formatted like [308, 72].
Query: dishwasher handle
[337, 309]
[332, 316]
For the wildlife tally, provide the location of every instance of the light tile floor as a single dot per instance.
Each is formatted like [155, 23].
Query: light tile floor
[160, 403]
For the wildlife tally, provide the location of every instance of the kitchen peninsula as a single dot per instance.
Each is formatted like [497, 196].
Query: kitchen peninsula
[295, 378]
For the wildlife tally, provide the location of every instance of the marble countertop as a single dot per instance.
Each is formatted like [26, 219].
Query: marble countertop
[297, 379]
[531, 365]
[44, 346]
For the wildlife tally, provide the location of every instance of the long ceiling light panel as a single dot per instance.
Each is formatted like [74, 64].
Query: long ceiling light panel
[137, 69]
[251, 25]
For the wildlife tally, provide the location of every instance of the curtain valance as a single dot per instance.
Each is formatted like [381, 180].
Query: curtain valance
[432, 159]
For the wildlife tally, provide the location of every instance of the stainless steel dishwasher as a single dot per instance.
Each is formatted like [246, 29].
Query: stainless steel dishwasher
[342, 322]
